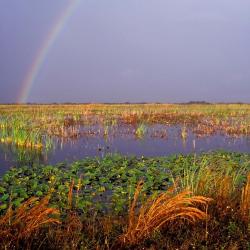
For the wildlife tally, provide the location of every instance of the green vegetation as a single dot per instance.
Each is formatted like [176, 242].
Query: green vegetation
[118, 202]
[93, 197]
[34, 126]
[141, 131]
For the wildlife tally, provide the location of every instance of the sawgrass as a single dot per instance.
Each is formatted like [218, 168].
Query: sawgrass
[207, 206]
[245, 201]
[164, 209]
[34, 224]
[32, 126]
[24, 222]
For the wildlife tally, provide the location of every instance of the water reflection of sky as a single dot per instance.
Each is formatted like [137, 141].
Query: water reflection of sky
[71, 150]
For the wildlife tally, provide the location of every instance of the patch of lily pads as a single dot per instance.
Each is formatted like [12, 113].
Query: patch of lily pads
[106, 184]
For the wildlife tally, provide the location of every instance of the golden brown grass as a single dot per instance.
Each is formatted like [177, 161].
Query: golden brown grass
[70, 194]
[245, 201]
[166, 208]
[26, 220]
[68, 234]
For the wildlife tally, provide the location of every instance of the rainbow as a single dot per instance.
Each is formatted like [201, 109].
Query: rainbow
[43, 52]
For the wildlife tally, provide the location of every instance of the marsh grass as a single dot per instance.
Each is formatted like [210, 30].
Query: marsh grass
[165, 209]
[32, 126]
[213, 179]
[168, 214]
[245, 202]
[24, 222]
[141, 131]
[68, 234]
[184, 133]
[205, 206]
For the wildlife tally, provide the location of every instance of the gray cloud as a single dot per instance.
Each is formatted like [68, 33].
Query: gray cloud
[116, 51]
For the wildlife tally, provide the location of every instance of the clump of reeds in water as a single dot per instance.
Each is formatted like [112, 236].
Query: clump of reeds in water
[141, 131]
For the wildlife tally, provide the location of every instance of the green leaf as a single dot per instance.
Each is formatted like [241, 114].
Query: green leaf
[5, 197]
[18, 202]
[3, 207]
[2, 190]
[39, 193]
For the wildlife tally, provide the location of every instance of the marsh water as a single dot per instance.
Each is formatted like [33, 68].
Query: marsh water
[155, 140]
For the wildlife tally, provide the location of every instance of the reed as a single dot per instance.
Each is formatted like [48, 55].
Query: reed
[141, 131]
[167, 208]
[184, 133]
[26, 220]
[245, 201]
[219, 182]
[68, 234]
[32, 126]
[70, 194]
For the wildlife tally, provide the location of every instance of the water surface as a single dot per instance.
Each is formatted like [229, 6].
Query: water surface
[156, 141]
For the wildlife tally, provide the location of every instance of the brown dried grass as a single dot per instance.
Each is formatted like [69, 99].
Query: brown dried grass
[245, 201]
[166, 208]
[27, 219]
[70, 194]
[69, 234]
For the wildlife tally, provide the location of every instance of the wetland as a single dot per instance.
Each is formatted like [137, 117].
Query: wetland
[100, 173]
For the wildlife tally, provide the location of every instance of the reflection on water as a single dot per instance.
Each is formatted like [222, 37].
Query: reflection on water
[157, 141]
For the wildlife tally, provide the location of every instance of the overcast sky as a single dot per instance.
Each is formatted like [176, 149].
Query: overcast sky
[128, 50]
